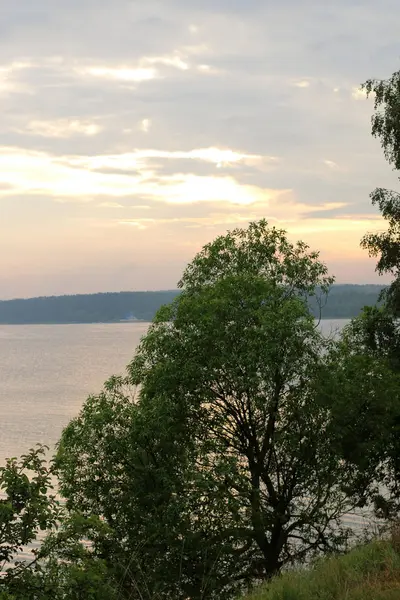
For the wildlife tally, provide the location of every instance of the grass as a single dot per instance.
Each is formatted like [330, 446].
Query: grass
[370, 572]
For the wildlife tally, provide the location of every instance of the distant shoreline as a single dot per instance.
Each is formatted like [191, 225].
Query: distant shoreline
[141, 321]
[344, 302]
[124, 322]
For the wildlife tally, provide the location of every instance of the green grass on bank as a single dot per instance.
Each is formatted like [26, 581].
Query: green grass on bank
[370, 572]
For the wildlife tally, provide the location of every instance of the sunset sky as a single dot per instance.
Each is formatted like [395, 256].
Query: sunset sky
[131, 133]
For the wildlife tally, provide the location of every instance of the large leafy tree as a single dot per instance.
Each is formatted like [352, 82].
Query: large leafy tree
[223, 465]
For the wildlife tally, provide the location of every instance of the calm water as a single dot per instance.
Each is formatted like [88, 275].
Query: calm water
[47, 371]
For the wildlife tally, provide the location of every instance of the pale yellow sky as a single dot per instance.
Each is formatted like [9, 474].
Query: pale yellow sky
[127, 145]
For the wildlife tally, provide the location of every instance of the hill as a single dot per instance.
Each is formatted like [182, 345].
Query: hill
[85, 308]
[345, 301]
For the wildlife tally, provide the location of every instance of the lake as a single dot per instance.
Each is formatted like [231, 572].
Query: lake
[47, 372]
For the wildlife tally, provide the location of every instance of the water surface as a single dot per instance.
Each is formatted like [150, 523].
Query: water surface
[47, 372]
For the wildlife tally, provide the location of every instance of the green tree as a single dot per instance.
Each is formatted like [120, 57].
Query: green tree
[221, 467]
[372, 440]
[376, 333]
[367, 358]
[377, 329]
[365, 416]
[386, 127]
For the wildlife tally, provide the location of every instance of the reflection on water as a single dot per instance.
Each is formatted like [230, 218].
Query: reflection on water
[47, 371]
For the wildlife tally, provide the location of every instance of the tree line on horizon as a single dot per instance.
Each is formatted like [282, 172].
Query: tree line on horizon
[343, 302]
[238, 438]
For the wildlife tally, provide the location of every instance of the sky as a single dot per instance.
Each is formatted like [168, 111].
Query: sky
[132, 133]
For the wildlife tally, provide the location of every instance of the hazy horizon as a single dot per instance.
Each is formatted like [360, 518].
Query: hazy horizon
[133, 134]
[123, 291]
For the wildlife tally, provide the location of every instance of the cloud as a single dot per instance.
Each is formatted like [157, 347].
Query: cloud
[302, 84]
[216, 156]
[145, 125]
[110, 205]
[276, 207]
[62, 128]
[8, 77]
[208, 70]
[120, 73]
[192, 114]
[146, 68]
[331, 164]
[37, 172]
[170, 61]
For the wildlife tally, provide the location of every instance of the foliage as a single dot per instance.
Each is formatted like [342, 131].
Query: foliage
[62, 568]
[376, 333]
[370, 572]
[223, 467]
[385, 121]
[374, 336]
[26, 507]
[262, 252]
[370, 440]
[386, 127]
[366, 413]
[120, 460]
